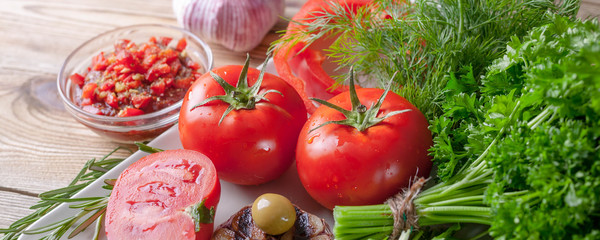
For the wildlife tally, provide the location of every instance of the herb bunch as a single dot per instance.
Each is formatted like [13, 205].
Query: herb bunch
[518, 152]
[424, 40]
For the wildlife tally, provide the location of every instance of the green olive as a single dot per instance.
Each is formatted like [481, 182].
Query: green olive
[273, 213]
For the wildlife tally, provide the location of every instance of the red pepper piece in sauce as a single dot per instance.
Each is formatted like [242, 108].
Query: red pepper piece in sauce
[130, 112]
[99, 62]
[77, 79]
[181, 45]
[111, 100]
[158, 87]
[165, 40]
[88, 91]
[141, 100]
[157, 70]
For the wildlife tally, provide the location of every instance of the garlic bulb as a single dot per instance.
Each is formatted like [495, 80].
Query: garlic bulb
[239, 25]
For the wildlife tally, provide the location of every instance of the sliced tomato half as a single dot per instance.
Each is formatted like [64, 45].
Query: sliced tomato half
[166, 195]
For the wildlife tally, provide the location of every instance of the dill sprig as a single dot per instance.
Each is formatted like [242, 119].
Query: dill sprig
[423, 41]
[92, 209]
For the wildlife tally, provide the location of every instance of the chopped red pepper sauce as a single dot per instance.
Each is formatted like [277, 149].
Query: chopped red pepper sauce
[135, 79]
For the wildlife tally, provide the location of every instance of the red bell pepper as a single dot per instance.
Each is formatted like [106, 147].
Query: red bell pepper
[304, 69]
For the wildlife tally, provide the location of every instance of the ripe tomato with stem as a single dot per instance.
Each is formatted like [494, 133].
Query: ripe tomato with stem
[351, 154]
[247, 121]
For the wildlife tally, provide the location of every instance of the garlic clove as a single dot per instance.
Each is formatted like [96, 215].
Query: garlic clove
[237, 25]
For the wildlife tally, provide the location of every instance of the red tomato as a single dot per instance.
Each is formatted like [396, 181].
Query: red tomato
[250, 146]
[154, 198]
[340, 165]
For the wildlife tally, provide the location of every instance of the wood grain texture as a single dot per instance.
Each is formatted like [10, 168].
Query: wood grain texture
[41, 146]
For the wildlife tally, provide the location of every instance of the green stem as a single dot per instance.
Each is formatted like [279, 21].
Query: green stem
[455, 210]
[464, 189]
[540, 118]
[369, 230]
[437, 220]
[469, 199]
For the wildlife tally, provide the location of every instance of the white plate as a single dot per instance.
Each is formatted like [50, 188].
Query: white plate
[233, 197]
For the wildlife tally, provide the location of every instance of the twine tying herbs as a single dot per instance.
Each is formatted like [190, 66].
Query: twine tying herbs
[403, 209]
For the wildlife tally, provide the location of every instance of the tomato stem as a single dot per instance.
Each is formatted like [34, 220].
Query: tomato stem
[241, 96]
[201, 214]
[360, 117]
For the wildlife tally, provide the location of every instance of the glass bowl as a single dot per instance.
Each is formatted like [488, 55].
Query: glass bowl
[135, 128]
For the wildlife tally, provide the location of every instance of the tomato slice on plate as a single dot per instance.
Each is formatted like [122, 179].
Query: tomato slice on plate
[166, 195]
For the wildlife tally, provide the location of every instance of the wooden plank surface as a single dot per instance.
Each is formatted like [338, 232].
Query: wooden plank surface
[41, 146]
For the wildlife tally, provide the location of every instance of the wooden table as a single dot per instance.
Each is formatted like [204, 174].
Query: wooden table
[41, 146]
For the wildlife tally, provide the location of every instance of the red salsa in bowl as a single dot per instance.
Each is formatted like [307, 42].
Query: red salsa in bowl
[128, 84]
[135, 79]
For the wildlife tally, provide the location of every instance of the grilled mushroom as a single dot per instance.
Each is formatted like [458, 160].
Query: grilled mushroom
[242, 226]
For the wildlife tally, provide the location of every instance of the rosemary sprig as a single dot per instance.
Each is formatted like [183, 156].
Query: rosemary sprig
[92, 209]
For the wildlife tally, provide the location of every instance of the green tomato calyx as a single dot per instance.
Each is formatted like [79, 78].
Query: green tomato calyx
[360, 117]
[201, 214]
[241, 96]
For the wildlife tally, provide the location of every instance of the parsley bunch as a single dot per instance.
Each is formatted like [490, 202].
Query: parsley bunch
[518, 149]
[551, 150]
